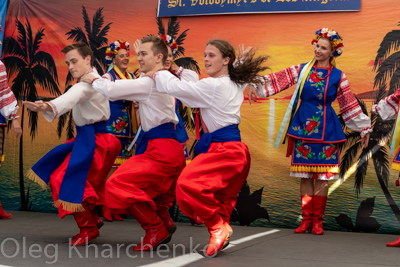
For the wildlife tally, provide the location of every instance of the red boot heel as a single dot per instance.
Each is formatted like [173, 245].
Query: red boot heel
[395, 243]
[3, 214]
[307, 214]
[88, 228]
[319, 210]
[219, 235]
[168, 223]
[156, 232]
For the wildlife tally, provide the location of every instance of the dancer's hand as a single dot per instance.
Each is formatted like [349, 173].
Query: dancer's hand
[150, 73]
[365, 140]
[373, 109]
[37, 106]
[174, 67]
[251, 93]
[17, 128]
[136, 46]
[88, 78]
[243, 53]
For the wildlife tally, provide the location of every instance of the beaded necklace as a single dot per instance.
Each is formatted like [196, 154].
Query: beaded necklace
[316, 73]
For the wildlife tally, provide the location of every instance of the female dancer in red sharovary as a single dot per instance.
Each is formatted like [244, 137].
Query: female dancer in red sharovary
[209, 185]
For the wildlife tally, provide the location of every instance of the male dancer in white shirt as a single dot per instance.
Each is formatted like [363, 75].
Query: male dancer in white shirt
[77, 169]
[139, 185]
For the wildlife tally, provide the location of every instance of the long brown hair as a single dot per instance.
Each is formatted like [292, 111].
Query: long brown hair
[247, 71]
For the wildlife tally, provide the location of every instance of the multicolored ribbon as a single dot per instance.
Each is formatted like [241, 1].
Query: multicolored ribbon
[296, 95]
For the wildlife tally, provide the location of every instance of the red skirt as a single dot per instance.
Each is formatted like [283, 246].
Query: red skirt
[211, 182]
[107, 149]
[149, 177]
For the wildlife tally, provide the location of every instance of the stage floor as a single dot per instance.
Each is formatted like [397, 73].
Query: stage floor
[41, 239]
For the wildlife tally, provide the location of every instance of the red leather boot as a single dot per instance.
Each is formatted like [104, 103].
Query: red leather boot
[3, 214]
[307, 214]
[110, 216]
[196, 221]
[395, 243]
[230, 234]
[168, 222]
[230, 230]
[319, 210]
[96, 218]
[87, 226]
[117, 217]
[219, 234]
[156, 232]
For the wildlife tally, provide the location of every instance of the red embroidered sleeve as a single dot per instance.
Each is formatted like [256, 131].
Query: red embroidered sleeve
[281, 80]
[393, 100]
[348, 104]
[8, 102]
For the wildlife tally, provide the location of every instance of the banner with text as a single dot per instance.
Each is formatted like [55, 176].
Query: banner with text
[168, 8]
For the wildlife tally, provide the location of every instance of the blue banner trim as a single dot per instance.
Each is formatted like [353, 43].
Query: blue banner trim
[172, 8]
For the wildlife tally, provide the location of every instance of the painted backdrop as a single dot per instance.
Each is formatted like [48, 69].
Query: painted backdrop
[36, 31]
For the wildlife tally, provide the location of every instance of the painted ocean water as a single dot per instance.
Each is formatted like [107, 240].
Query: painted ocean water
[270, 170]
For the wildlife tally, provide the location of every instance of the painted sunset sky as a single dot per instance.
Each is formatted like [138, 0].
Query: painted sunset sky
[285, 37]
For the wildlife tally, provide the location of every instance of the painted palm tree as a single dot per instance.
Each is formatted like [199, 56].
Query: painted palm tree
[95, 37]
[66, 119]
[30, 67]
[364, 220]
[387, 62]
[173, 31]
[387, 67]
[377, 151]
[248, 206]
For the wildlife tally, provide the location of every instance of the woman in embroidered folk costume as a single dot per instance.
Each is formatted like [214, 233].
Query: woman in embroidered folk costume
[209, 185]
[388, 109]
[314, 129]
[8, 111]
[76, 171]
[123, 122]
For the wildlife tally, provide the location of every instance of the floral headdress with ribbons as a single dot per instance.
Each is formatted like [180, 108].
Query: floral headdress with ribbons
[171, 42]
[333, 37]
[113, 49]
